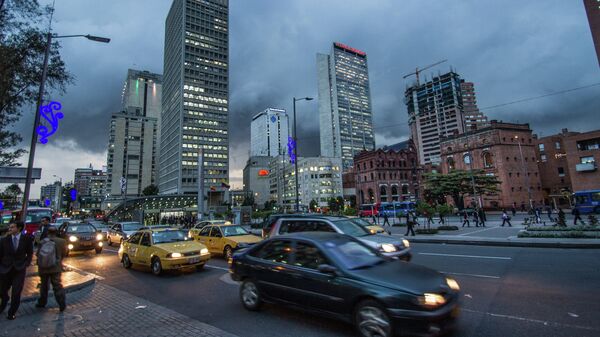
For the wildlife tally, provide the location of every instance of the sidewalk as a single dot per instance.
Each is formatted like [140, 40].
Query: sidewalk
[72, 280]
[101, 310]
[511, 241]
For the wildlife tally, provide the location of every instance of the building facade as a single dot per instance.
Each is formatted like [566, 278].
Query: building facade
[195, 99]
[256, 179]
[90, 182]
[503, 150]
[474, 119]
[592, 8]
[269, 132]
[52, 193]
[388, 174]
[435, 110]
[583, 156]
[345, 110]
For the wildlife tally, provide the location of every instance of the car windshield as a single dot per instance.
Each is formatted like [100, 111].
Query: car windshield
[81, 228]
[234, 230]
[100, 225]
[361, 222]
[130, 227]
[169, 236]
[350, 228]
[354, 255]
[61, 220]
[35, 216]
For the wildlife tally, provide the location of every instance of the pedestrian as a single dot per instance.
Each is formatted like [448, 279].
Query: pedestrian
[577, 215]
[466, 219]
[50, 254]
[386, 219]
[549, 212]
[16, 252]
[429, 218]
[505, 219]
[476, 217]
[482, 217]
[409, 225]
[514, 209]
[522, 206]
[538, 215]
[441, 221]
[44, 225]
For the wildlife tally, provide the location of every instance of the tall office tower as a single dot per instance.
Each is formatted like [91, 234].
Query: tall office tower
[592, 8]
[134, 135]
[195, 98]
[474, 119]
[90, 182]
[52, 193]
[269, 133]
[345, 115]
[435, 110]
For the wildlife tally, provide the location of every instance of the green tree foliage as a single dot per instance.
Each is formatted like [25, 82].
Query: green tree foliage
[150, 190]
[22, 46]
[248, 200]
[457, 184]
[269, 205]
[313, 205]
[336, 204]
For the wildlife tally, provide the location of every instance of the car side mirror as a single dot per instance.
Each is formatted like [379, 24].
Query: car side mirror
[327, 269]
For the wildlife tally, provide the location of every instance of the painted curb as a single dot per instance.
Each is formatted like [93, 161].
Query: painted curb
[528, 244]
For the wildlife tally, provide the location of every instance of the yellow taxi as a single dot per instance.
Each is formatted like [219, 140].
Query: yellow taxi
[225, 239]
[198, 226]
[163, 249]
[374, 229]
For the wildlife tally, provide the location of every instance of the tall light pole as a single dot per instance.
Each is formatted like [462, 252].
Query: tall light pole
[296, 150]
[36, 120]
[525, 171]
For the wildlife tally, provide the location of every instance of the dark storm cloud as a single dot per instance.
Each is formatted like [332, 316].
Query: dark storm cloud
[509, 49]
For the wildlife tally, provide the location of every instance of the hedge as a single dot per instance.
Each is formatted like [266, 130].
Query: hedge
[426, 231]
[564, 229]
[567, 235]
[448, 228]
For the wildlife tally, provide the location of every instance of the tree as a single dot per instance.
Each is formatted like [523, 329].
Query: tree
[150, 190]
[248, 200]
[269, 205]
[457, 184]
[13, 192]
[313, 205]
[335, 204]
[22, 46]
[425, 209]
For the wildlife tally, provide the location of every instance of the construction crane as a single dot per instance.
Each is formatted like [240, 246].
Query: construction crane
[417, 70]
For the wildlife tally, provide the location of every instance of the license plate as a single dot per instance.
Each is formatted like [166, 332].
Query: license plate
[86, 244]
[193, 260]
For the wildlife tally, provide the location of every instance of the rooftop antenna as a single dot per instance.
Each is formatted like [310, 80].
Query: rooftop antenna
[417, 70]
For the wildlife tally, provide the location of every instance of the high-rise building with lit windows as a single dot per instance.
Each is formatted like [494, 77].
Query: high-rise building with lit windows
[269, 133]
[345, 113]
[195, 98]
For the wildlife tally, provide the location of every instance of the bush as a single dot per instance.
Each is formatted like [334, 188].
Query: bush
[592, 220]
[448, 228]
[426, 231]
[350, 211]
[564, 234]
[563, 229]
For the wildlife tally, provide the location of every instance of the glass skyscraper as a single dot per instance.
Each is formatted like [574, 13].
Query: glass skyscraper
[345, 113]
[195, 98]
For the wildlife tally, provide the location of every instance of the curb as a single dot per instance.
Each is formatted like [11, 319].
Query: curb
[528, 244]
[68, 289]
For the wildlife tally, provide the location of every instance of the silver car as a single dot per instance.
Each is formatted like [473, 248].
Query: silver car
[387, 245]
[121, 231]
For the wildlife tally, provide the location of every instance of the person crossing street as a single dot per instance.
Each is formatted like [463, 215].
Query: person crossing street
[466, 219]
[505, 219]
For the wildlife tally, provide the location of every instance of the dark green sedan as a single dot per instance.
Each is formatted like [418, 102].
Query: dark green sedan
[338, 276]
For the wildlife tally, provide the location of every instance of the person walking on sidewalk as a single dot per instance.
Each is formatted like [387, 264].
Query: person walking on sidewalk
[476, 217]
[386, 219]
[505, 219]
[44, 225]
[549, 212]
[577, 215]
[513, 209]
[466, 219]
[409, 225]
[482, 217]
[538, 215]
[16, 252]
[50, 253]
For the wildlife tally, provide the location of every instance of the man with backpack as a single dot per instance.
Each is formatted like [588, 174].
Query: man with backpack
[50, 254]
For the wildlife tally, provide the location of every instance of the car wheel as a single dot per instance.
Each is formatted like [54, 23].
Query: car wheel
[109, 242]
[371, 320]
[126, 261]
[250, 296]
[156, 266]
[98, 250]
[228, 252]
[200, 267]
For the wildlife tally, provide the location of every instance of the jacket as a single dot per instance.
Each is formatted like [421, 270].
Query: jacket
[18, 258]
[61, 251]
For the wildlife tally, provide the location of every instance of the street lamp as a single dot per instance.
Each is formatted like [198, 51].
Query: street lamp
[296, 150]
[524, 169]
[36, 120]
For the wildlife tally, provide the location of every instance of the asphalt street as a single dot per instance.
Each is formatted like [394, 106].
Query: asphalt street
[506, 292]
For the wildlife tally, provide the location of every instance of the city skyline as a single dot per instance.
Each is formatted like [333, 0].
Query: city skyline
[270, 71]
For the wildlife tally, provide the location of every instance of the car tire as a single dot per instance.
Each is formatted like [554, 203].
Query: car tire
[228, 252]
[371, 319]
[250, 296]
[109, 242]
[200, 267]
[156, 266]
[126, 261]
[98, 250]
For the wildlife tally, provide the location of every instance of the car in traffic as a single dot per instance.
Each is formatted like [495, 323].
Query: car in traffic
[163, 249]
[225, 239]
[81, 236]
[373, 228]
[338, 276]
[102, 227]
[120, 231]
[385, 244]
[59, 221]
[194, 230]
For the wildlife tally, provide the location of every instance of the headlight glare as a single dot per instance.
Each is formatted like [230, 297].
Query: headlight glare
[405, 243]
[203, 251]
[72, 238]
[452, 283]
[175, 255]
[431, 300]
[99, 237]
[388, 248]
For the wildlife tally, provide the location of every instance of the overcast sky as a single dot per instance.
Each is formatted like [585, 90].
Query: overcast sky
[510, 49]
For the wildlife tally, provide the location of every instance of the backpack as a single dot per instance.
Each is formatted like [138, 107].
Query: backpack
[46, 257]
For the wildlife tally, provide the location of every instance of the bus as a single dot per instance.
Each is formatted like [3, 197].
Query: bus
[587, 201]
[34, 217]
[396, 208]
[368, 210]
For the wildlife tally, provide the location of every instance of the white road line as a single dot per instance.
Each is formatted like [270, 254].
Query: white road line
[546, 323]
[110, 250]
[469, 256]
[479, 231]
[83, 271]
[473, 275]
[216, 267]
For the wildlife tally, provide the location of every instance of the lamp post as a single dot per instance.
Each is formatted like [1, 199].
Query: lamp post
[296, 150]
[525, 171]
[36, 120]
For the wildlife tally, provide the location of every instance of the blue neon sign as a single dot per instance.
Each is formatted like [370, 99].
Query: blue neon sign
[291, 149]
[47, 202]
[73, 194]
[47, 112]
[1, 205]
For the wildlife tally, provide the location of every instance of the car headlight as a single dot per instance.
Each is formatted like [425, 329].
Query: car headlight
[430, 300]
[72, 238]
[203, 251]
[405, 243]
[175, 255]
[388, 248]
[99, 237]
[70, 246]
[373, 231]
[452, 283]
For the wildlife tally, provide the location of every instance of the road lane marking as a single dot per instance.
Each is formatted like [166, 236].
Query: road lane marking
[85, 272]
[216, 267]
[227, 279]
[469, 256]
[479, 231]
[110, 250]
[473, 275]
[530, 320]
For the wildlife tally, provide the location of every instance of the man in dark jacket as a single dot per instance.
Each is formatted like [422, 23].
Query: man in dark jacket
[44, 225]
[16, 252]
[53, 274]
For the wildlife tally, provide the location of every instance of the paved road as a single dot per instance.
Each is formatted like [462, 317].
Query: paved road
[506, 292]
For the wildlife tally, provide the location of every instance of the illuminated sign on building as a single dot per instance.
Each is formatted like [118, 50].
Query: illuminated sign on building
[291, 149]
[350, 49]
[47, 202]
[47, 112]
[263, 173]
[73, 194]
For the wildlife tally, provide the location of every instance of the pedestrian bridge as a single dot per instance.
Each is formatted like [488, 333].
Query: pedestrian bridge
[137, 208]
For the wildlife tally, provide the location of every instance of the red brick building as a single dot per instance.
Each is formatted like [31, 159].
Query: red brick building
[583, 156]
[495, 150]
[388, 174]
[592, 8]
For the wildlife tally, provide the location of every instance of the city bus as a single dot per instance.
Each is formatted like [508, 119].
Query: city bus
[587, 201]
[396, 208]
[34, 217]
[368, 210]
